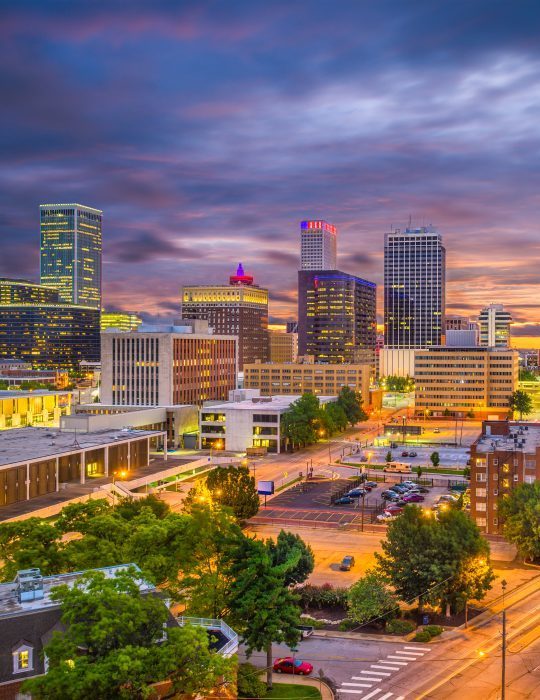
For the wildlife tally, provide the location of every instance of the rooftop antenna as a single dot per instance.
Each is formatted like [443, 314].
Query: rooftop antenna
[75, 441]
[410, 221]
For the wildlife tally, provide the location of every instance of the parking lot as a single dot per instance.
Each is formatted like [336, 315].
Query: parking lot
[449, 456]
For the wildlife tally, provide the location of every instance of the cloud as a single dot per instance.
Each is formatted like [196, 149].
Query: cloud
[147, 247]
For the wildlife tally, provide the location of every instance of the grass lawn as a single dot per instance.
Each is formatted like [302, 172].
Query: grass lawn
[293, 692]
[426, 471]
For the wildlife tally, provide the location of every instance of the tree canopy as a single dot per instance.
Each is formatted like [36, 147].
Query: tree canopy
[521, 402]
[235, 488]
[370, 599]
[114, 646]
[520, 511]
[351, 403]
[399, 384]
[291, 552]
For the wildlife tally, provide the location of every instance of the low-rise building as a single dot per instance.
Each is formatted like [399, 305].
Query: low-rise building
[40, 407]
[462, 382]
[506, 454]
[56, 379]
[306, 376]
[119, 320]
[246, 420]
[38, 461]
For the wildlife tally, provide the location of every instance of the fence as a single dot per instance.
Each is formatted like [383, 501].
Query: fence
[230, 647]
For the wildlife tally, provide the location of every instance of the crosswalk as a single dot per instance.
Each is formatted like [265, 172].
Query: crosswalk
[367, 684]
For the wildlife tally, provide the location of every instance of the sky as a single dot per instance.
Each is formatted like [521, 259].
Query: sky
[206, 131]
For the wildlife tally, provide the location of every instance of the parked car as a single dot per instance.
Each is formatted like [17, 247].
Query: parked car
[436, 430]
[347, 563]
[394, 509]
[371, 484]
[391, 496]
[295, 666]
[343, 501]
[356, 493]
[393, 445]
[447, 498]
[399, 488]
[419, 489]
[413, 498]
[385, 517]
[413, 454]
[404, 453]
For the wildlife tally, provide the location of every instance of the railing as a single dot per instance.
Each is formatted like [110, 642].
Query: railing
[230, 647]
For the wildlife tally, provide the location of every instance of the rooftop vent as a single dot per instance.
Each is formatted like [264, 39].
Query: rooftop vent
[29, 585]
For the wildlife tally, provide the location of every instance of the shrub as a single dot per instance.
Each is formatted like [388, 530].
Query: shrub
[422, 637]
[400, 627]
[325, 596]
[433, 630]
[347, 624]
[249, 682]
[306, 620]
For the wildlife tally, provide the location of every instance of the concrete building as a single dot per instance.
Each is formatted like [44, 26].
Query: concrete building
[495, 325]
[53, 378]
[181, 423]
[455, 322]
[120, 321]
[273, 378]
[283, 347]
[336, 317]
[506, 454]
[461, 338]
[29, 616]
[318, 246]
[396, 362]
[22, 408]
[167, 365]
[247, 420]
[239, 308]
[37, 461]
[465, 381]
[36, 327]
[414, 288]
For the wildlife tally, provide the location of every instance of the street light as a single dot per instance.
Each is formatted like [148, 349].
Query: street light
[122, 475]
[503, 665]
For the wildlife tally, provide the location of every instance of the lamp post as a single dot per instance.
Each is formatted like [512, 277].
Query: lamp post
[122, 474]
[503, 659]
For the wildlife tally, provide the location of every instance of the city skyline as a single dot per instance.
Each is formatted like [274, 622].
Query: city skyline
[422, 116]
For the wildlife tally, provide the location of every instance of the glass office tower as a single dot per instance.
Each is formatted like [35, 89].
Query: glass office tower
[414, 288]
[71, 252]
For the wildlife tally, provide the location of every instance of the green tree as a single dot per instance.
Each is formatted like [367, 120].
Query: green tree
[439, 561]
[300, 422]
[337, 415]
[521, 403]
[435, 459]
[30, 543]
[370, 599]
[419, 471]
[520, 511]
[525, 375]
[388, 457]
[290, 549]
[398, 384]
[263, 608]
[120, 630]
[235, 488]
[351, 403]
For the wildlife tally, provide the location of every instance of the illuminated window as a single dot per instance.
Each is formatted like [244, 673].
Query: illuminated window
[23, 659]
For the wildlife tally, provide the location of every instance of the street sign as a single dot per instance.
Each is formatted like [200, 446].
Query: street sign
[265, 488]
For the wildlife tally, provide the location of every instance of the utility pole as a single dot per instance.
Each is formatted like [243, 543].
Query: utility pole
[503, 665]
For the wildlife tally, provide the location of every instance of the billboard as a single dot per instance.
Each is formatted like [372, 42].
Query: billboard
[265, 488]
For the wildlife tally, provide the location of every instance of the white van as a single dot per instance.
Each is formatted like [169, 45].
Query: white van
[398, 468]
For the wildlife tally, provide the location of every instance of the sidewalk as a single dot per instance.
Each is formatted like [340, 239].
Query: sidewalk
[326, 692]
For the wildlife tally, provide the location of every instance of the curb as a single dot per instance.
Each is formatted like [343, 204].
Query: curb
[330, 634]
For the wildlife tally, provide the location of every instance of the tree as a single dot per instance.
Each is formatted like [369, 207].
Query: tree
[113, 644]
[388, 457]
[263, 608]
[526, 375]
[520, 511]
[235, 488]
[521, 402]
[30, 543]
[419, 471]
[351, 403]
[336, 413]
[398, 384]
[370, 599]
[440, 561]
[297, 556]
[300, 422]
[435, 459]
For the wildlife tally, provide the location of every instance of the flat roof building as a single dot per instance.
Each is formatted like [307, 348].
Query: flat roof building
[468, 381]
[283, 347]
[119, 320]
[318, 245]
[506, 454]
[21, 408]
[167, 365]
[495, 325]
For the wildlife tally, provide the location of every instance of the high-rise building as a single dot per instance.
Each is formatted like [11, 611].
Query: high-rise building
[318, 246]
[239, 308]
[282, 347]
[292, 327]
[495, 326]
[454, 322]
[120, 320]
[414, 288]
[336, 316]
[71, 252]
[167, 365]
[36, 326]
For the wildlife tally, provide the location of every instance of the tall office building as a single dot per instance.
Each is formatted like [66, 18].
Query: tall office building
[120, 320]
[414, 288]
[36, 326]
[239, 308]
[336, 316]
[495, 326]
[71, 252]
[318, 246]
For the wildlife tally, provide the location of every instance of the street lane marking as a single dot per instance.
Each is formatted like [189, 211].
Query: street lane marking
[372, 694]
[401, 697]
[364, 678]
[396, 663]
[418, 648]
[376, 673]
[385, 697]
[400, 658]
[404, 655]
[360, 685]
[384, 668]
[411, 653]
[350, 690]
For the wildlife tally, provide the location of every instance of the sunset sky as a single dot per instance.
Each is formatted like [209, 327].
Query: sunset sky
[207, 130]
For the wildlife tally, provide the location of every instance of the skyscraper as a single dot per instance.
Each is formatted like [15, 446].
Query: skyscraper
[495, 326]
[336, 316]
[414, 287]
[71, 252]
[239, 308]
[318, 246]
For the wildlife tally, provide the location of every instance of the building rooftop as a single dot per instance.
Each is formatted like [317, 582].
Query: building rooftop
[14, 394]
[21, 445]
[266, 403]
[40, 587]
[521, 438]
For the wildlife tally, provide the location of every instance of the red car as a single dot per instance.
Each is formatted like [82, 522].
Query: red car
[413, 498]
[393, 509]
[289, 665]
